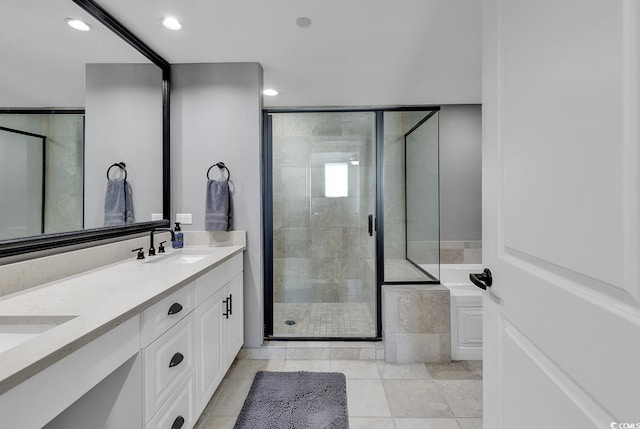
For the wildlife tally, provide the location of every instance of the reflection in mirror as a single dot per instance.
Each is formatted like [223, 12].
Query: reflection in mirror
[94, 99]
[422, 196]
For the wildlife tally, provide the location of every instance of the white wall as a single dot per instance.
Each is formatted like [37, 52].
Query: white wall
[460, 172]
[123, 123]
[216, 116]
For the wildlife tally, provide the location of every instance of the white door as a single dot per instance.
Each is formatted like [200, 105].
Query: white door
[561, 220]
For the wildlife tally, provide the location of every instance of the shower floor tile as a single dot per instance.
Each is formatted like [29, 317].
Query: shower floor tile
[323, 320]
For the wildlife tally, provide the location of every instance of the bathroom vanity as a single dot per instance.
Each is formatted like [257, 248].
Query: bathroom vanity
[140, 343]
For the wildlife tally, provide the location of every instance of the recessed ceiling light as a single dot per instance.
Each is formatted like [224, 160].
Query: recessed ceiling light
[303, 22]
[270, 92]
[77, 24]
[171, 23]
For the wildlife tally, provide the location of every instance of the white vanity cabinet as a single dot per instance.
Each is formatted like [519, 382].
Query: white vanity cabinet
[219, 326]
[157, 369]
[168, 360]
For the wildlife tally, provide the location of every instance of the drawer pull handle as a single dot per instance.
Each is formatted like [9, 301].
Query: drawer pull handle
[178, 423]
[230, 304]
[226, 308]
[174, 309]
[176, 359]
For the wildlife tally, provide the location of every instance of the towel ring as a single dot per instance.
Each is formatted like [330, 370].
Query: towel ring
[221, 166]
[121, 165]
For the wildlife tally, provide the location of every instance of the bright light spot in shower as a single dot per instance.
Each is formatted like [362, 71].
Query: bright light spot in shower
[336, 180]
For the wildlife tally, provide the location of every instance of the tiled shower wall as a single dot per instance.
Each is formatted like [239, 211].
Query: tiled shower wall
[63, 166]
[322, 249]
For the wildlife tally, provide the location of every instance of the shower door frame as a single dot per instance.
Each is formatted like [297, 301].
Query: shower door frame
[267, 214]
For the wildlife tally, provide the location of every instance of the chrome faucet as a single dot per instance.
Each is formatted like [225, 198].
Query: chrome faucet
[152, 250]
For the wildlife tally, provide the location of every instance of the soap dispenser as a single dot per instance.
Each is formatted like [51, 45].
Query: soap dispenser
[178, 243]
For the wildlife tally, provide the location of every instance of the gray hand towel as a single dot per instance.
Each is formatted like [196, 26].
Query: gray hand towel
[216, 216]
[118, 203]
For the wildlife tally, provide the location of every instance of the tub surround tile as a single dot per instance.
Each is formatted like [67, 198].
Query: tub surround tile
[452, 256]
[417, 323]
[425, 312]
[413, 348]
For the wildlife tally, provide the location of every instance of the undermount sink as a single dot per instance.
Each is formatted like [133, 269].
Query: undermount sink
[184, 256]
[15, 330]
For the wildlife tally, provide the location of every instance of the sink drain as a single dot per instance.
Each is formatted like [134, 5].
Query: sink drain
[289, 322]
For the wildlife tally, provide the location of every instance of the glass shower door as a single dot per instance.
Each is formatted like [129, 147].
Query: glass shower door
[323, 191]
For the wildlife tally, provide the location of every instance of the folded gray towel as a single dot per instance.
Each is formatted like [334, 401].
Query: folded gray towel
[118, 203]
[216, 214]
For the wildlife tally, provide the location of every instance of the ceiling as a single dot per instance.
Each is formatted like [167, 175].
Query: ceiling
[43, 60]
[356, 52]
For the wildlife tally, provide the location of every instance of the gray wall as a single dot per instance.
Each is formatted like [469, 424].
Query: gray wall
[124, 123]
[460, 172]
[216, 116]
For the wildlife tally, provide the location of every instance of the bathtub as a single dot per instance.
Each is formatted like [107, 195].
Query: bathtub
[466, 310]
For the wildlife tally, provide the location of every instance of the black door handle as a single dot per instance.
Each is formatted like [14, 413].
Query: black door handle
[482, 280]
[230, 304]
[174, 309]
[178, 423]
[176, 359]
[370, 225]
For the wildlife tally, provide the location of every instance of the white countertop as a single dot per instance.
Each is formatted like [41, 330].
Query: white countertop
[98, 300]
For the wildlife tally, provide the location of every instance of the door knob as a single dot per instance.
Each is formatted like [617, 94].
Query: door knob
[482, 280]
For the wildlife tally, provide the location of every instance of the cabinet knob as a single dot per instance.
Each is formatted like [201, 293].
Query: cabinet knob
[174, 309]
[176, 359]
[178, 423]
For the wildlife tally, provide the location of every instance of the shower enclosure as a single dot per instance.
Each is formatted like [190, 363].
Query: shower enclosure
[22, 158]
[335, 186]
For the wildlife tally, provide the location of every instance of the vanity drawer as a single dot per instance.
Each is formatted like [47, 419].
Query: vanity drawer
[211, 282]
[167, 363]
[178, 412]
[162, 315]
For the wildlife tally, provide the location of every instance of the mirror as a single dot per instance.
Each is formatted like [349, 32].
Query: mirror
[73, 103]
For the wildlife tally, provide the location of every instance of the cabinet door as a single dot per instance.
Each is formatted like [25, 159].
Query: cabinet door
[210, 342]
[235, 324]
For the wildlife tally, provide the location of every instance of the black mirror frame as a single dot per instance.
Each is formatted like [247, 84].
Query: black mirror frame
[51, 241]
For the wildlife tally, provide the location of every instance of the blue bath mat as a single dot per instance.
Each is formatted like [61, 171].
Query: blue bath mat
[295, 400]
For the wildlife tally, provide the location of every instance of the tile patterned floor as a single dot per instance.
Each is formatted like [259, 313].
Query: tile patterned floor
[379, 395]
[323, 320]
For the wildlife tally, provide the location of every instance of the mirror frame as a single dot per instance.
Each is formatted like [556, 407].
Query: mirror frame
[24, 245]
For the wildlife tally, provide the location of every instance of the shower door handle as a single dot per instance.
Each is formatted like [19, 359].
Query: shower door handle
[370, 225]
